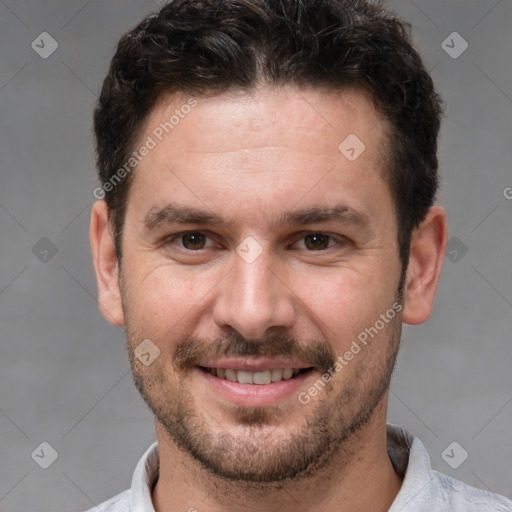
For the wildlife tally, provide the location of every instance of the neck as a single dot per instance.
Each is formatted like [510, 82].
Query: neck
[359, 477]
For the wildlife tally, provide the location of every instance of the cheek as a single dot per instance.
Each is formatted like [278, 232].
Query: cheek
[163, 299]
[344, 303]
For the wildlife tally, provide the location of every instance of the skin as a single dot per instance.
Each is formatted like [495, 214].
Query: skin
[250, 159]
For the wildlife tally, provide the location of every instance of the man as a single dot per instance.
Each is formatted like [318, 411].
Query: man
[269, 171]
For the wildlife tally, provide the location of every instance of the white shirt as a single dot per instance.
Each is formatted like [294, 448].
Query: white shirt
[423, 489]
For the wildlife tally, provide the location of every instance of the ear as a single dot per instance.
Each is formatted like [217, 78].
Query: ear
[428, 245]
[105, 265]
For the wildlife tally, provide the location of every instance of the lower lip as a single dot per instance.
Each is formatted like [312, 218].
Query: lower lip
[255, 395]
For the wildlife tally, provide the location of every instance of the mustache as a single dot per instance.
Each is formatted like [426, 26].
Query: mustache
[192, 349]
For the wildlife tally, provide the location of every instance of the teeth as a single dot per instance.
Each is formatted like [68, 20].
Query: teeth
[276, 375]
[287, 373]
[264, 377]
[260, 377]
[245, 377]
[231, 375]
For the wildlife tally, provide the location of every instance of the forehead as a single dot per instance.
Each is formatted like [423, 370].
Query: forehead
[275, 146]
[287, 115]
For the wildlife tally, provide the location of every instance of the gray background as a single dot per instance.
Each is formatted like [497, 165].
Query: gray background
[64, 375]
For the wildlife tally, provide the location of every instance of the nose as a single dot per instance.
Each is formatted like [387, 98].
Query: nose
[254, 298]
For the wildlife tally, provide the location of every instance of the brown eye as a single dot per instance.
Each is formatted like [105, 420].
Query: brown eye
[317, 241]
[193, 241]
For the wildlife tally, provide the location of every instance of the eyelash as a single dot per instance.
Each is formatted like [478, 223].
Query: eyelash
[338, 239]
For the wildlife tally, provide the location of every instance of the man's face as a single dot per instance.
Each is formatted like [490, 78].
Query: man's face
[253, 243]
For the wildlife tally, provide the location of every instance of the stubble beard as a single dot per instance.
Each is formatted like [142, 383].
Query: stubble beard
[261, 451]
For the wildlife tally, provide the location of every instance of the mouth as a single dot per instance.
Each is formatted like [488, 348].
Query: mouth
[261, 378]
[254, 382]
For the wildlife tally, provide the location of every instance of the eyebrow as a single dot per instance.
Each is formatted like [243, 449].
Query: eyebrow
[176, 214]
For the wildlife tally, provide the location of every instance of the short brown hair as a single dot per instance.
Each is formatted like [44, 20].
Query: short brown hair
[205, 47]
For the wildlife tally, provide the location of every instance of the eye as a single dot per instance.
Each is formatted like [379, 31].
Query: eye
[191, 240]
[317, 241]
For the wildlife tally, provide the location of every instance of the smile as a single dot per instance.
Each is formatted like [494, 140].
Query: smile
[261, 377]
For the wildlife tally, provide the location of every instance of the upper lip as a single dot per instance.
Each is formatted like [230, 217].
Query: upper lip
[253, 364]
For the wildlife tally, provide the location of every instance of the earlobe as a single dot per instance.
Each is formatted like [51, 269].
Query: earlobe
[105, 265]
[428, 245]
